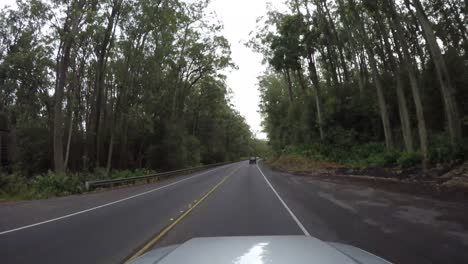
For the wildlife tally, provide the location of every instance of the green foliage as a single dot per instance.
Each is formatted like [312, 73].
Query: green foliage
[441, 150]
[33, 150]
[18, 187]
[14, 185]
[354, 55]
[142, 78]
[385, 158]
[363, 155]
[56, 184]
[408, 159]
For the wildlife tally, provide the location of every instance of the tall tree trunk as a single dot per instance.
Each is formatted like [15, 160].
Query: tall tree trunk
[179, 74]
[100, 75]
[403, 111]
[313, 74]
[339, 44]
[362, 81]
[111, 128]
[132, 57]
[300, 78]
[288, 79]
[316, 84]
[69, 136]
[62, 71]
[354, 47]
[382, 103]
[123, 163]
[447, 90]
[330, 55]
[375, 74]
[401, 44]
[334, 75]
[109, 153]
[401, 97]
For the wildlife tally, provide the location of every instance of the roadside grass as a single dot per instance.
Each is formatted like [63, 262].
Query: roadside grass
[16, 186]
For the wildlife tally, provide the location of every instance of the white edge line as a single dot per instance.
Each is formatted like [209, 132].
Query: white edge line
[301, 226]
[104, 205]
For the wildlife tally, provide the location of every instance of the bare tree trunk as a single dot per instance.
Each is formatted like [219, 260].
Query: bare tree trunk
[288, 79]
[382, 103]
[338, 42]
[336, 84]
[62, 70]
[300, 78]
[123, 163]
[109, 153]
[100, 75]
[112, 116]
[316, 84]
[362, 79]
[447, 90]
[406, 58]
[67, 152]
[404, 115]
[401, 97]
[378, 84]
[313, 76]
[179, 72]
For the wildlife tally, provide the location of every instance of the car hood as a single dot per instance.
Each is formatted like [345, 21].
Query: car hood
[259, 250]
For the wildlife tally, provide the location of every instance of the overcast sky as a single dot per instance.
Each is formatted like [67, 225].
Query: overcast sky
[239, 19]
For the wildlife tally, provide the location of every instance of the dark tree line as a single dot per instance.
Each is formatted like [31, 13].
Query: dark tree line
[387, 70]
[118, 84]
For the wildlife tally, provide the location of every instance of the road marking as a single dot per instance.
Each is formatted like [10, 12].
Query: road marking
[105, 205]
[301, 226]
[173, 224]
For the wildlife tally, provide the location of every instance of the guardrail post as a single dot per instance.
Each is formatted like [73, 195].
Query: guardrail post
[87, 185]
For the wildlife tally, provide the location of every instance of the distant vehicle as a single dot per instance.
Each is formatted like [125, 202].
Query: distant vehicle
[259, 249]
[253, 160]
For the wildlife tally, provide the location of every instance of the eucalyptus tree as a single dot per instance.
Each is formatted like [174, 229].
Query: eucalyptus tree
[406, 46]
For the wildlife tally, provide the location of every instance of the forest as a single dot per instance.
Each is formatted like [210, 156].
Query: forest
[366, 82]
[92, 88]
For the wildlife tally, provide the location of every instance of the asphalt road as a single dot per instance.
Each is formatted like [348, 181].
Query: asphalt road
[232, 200]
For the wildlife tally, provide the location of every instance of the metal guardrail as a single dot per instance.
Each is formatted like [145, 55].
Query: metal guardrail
[89, 185]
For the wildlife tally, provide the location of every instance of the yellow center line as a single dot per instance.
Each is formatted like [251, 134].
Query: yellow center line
[182, 216]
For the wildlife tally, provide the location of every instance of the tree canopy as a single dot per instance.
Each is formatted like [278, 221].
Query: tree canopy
[119, 84]
[343, 73]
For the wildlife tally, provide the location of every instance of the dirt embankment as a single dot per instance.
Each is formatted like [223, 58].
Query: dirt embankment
[448, 182]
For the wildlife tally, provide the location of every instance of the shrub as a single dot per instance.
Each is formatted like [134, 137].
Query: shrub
[341, 138]
[441, 150]
[366, 150]
[408, 159]
[122, 174]
[384, 158]
[56, 184]
[18, 187]
[371, 154]
[33, 150]
[14, 185]
[129, 173]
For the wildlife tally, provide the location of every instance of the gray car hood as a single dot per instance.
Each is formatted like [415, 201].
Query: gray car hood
[259, 250]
